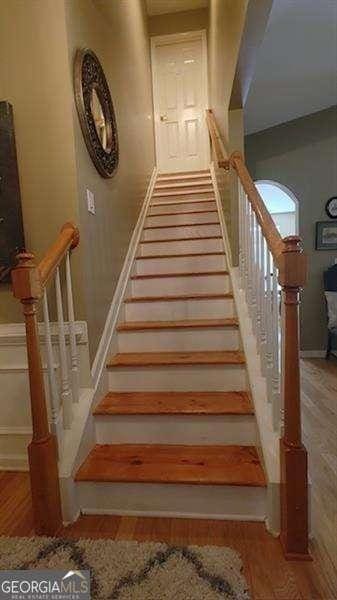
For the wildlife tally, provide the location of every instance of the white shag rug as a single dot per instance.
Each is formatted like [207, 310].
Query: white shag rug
[133, 570]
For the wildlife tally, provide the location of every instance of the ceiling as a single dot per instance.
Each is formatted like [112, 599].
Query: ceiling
[296, 69]
[161, 7]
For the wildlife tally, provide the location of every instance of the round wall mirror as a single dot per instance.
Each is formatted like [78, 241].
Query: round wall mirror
[96, 112]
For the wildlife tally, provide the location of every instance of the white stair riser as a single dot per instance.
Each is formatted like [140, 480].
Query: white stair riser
[184, 231]
[201, 195]
[203, 378]
[173, 500]
[166, 340]
[181, 285]
[181, 247]
[203, 217]
[176, 429]
[180, 207]
[182, 264]
[175, 310]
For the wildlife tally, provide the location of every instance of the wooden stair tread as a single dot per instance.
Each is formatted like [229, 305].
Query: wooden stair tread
[178, 297]
[184, 239]
[182, 225]
[154, 359]
[187, 324]
[186, 192]
[186, 274]
[180, 255]
[188, 212]
[175, 403]
[159, 463]
[190, 201]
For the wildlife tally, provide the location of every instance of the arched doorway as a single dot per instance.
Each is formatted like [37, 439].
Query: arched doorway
[282, 205]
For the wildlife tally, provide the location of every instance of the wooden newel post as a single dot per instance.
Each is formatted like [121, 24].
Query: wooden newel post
[42, 449]
[294, 465]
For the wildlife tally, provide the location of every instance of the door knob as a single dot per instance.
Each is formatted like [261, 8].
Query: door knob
[163, 117]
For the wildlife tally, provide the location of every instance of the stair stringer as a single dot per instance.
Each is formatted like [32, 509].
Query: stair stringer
[81, 438]
[268, 439]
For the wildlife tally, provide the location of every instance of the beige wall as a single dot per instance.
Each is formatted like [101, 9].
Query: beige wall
[117, 33]
[226, 25]
[178, 22]
[34, 77]
[38, 39]
[302, 155]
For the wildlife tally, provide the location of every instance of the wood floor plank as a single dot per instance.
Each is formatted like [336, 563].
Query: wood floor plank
[152, 359]
[187, 324]
[175, 403]
[314, 581]
[159, 463]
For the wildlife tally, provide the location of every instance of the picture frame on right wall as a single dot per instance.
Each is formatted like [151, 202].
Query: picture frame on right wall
[326, 235]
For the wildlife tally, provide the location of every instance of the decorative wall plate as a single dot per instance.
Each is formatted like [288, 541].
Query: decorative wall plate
[331, 207]
[96, 112]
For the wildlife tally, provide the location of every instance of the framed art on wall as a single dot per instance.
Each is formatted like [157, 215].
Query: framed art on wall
[326, 235]
[331, 207]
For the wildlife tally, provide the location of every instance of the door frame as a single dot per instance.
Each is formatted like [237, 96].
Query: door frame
[177, 38]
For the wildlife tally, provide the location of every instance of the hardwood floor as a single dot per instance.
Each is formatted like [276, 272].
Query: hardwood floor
[270, 577]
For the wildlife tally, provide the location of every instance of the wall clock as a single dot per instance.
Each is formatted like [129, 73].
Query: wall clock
[331, 207]
[96, 112]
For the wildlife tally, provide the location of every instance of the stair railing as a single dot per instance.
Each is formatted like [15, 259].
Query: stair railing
[30, 282]
[272, 272]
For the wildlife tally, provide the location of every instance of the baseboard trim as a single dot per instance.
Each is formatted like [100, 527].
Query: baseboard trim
[170, 514]
[103, 348]
[14, 462]
[313, 353]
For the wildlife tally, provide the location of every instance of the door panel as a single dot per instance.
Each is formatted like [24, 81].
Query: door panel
[180, 103]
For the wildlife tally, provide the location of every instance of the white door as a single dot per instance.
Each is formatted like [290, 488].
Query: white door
[180, 100]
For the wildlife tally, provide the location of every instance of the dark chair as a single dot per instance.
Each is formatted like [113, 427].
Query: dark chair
[330, 285]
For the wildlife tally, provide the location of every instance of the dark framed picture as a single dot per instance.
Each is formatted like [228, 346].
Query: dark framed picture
[331, 207]
[326, 235]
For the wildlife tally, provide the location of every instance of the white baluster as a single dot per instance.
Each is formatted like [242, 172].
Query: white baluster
[263, 324]
[269, 323]
[65, 389]
[258, 282]
[276, 352]
[75, 383]
[253, 272]
[51, 369]
[249, 260]
[246, 243]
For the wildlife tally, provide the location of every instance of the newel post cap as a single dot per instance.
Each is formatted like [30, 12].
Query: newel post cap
[292, 263]
[25, 278]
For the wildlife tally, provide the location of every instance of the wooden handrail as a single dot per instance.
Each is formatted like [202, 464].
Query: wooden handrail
[220, 152]
[67, 238]
[267, 224]
[28, 282]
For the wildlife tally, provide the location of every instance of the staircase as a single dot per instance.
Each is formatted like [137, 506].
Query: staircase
[176, 433]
